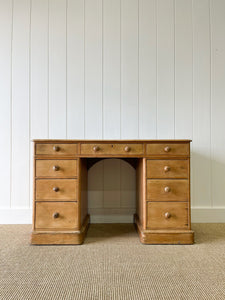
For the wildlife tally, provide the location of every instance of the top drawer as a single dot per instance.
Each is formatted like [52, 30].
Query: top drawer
[167, 149]
[56, 149]
[112, 149]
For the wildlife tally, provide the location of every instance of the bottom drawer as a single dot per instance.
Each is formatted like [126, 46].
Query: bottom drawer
[56, 215]
[167, 215]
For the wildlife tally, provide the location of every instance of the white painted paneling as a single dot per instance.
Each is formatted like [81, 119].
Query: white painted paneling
[5, 100]
[75, 69]
[129, 69]
[183, 69]
[111, 185]
[20, 104]
[39, 69]
[201, 165]
[57, 69]
[165, 69]
[111, 69]
[112, 192]
[147, 70]
[218, 101]
[93, 69]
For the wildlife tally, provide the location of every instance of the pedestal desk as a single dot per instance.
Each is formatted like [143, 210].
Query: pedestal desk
[60, 205]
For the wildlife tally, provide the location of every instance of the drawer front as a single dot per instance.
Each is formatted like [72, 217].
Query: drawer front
[167, 149]
[52, 215]
[56, 168]
[167, 168]
[167, 190]
[56, 189]
[167, 215]
[112, 149]
[56, 149]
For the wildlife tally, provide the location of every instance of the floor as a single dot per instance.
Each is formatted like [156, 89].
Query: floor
[112, 264]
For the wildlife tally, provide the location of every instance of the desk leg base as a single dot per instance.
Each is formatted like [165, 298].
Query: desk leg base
[161, 237]
[60, 237]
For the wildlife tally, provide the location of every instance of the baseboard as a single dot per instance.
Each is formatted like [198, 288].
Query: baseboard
[198, 215]
[15, 215]
[111, 219]
[208, 215]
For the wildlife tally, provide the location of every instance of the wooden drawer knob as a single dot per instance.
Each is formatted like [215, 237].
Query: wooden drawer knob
[96, 148]
[167, 189]
[55, 168]
[166, 168]
[127, 148]
[167, 215]
[55, 215]
[55, 189]
[56, 148]
[167, 149]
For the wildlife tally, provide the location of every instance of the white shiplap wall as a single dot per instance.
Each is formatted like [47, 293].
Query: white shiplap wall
[112, 69]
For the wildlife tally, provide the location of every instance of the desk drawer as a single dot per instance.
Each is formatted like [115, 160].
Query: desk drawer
[168, 190]
[167, 168]
[56, 189]
[111, 149]
[56, 149]
[167, 215]
[56, 168]
[51, 215]
[167, 149]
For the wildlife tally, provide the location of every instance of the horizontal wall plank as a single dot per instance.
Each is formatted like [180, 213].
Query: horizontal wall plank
[75, 69]
[218, 103]
[20, 104]
[201, 164]
[111, 69]
[57, 69]
[5, 98]
[129, 69]
[93, 69]
[165, 69]
[39, 70]
[147, 70]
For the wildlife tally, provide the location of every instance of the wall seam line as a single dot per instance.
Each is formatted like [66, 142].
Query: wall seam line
[66, 69]
[11, 102]
[210, 136]
[29, 129]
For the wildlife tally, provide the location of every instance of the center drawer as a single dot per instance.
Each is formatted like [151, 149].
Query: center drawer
[51, 215]
[112, 149]
[56, 168]
[167, 168]
[56, 189]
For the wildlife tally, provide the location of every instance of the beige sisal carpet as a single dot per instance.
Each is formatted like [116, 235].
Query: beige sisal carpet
[112, 264]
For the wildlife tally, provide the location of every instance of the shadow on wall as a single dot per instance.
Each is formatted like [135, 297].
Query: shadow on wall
[112, 191]
[200, 180]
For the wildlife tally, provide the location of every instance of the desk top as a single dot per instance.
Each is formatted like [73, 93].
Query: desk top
[111, 141]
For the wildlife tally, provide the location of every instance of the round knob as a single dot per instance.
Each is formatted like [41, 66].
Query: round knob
[56, 148]
[166, 168]
[167, 215]
[167, 189]
[55, 189]
[127, 148]
[55, 215]
[96, 148]
[167, 149]
[55, 168]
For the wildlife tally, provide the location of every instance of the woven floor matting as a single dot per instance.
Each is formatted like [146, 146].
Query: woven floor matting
[112, 264]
